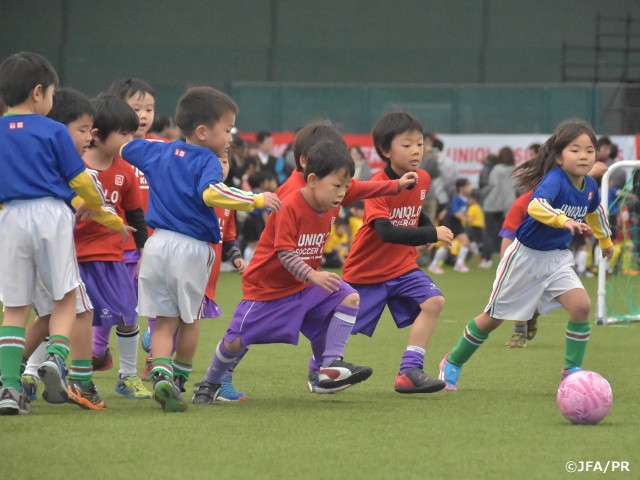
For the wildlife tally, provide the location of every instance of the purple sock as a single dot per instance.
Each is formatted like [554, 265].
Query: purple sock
[221, 362]
[237, 361]
[413, 358]
[100, 340]
[340, 327]
[317, 349]
[152, 327]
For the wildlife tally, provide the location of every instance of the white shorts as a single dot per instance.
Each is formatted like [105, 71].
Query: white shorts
[43, 304]
[36, 241]
[527, 279]
[173, 277]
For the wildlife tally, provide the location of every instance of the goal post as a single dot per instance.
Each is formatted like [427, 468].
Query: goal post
[604, 315]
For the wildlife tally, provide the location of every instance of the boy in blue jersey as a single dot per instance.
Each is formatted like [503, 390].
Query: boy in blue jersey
[536, 270]
[41, 168]
[185, 182]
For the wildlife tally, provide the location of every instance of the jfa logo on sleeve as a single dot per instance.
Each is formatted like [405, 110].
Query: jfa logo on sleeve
[423, 194]
[590, 196]
[14, 125]
[179, 153]
[119, 180]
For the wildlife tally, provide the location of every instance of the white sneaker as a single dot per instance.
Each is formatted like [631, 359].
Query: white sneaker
[462, 268]
[486, 264]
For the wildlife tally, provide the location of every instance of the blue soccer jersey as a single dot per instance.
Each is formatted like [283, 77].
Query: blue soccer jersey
[557, 194]
[38, 159]
[178, 174]
[459, 204]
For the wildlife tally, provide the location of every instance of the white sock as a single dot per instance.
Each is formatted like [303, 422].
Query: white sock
[248, 254]
[462, 255]
[128, 348]
[440, 256]
[36, 359]
[581, 261]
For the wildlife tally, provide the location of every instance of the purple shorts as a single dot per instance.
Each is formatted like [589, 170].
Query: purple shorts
[210, 309]
[281, 321]
[131, 259]
[115, 299]
[403, 295]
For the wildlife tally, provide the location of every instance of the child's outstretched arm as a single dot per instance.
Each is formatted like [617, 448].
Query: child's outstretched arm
[89, 188]
[599, 224]
[107, 218]
[220, 195]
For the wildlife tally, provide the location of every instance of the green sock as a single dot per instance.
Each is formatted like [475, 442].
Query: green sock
[469, 342]
[182, 368]
[162, 366]
[11, 350]
[58, 345]
[81, 370]
[577, 337]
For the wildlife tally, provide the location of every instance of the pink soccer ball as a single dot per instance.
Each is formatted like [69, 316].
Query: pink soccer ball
[584, 397]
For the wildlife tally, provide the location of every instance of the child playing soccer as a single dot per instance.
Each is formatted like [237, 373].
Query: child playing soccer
[395, 226]
[41, 169]
[100, 251]
[536, 270]
[283, 292]
[454, 219]
[185, 180]
[231, 249]
[73, 109]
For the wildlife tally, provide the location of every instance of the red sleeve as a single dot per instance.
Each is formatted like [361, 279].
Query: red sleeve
[517, 212]
[359, 190]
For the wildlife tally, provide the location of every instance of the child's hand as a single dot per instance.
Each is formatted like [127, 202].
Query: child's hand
[408, 179]
[240, 265]
[330, 281]
[608, 253]
[576, 227]
[271, 201]
[83, 212]
[124, 232]
[444, 235]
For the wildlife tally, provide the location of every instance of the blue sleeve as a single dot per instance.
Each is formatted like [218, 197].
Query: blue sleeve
[138, 152]
[69, 160]
[211, 172]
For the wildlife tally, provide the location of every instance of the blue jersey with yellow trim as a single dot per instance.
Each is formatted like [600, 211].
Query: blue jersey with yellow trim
[37, 159]
[556, 188]
[178, 174]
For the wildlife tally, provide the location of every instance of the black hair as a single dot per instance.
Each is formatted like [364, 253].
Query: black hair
[128, 87]
[530, 173]
[357, 204]
[461, 182]
[69, 105]
[604, 141]
[20, 73]
[262, 136]
[202, 106]
[314, 132]
[437, 143]
[113, 114]
[535, 147]
[257, 178]
[160, 122]
[391, 125]
[613, 154]
[327, 157]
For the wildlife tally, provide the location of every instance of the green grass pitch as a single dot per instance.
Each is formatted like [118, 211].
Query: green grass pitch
[502, 423]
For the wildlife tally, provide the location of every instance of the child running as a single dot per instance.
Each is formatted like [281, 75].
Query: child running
[536, 270]
[395, 225]
[284, 293]
[185, 181]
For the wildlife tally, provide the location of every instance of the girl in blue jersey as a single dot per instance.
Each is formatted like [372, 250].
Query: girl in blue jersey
[536, 270]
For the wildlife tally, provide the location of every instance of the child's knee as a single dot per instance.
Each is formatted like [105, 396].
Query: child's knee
[352, 300]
